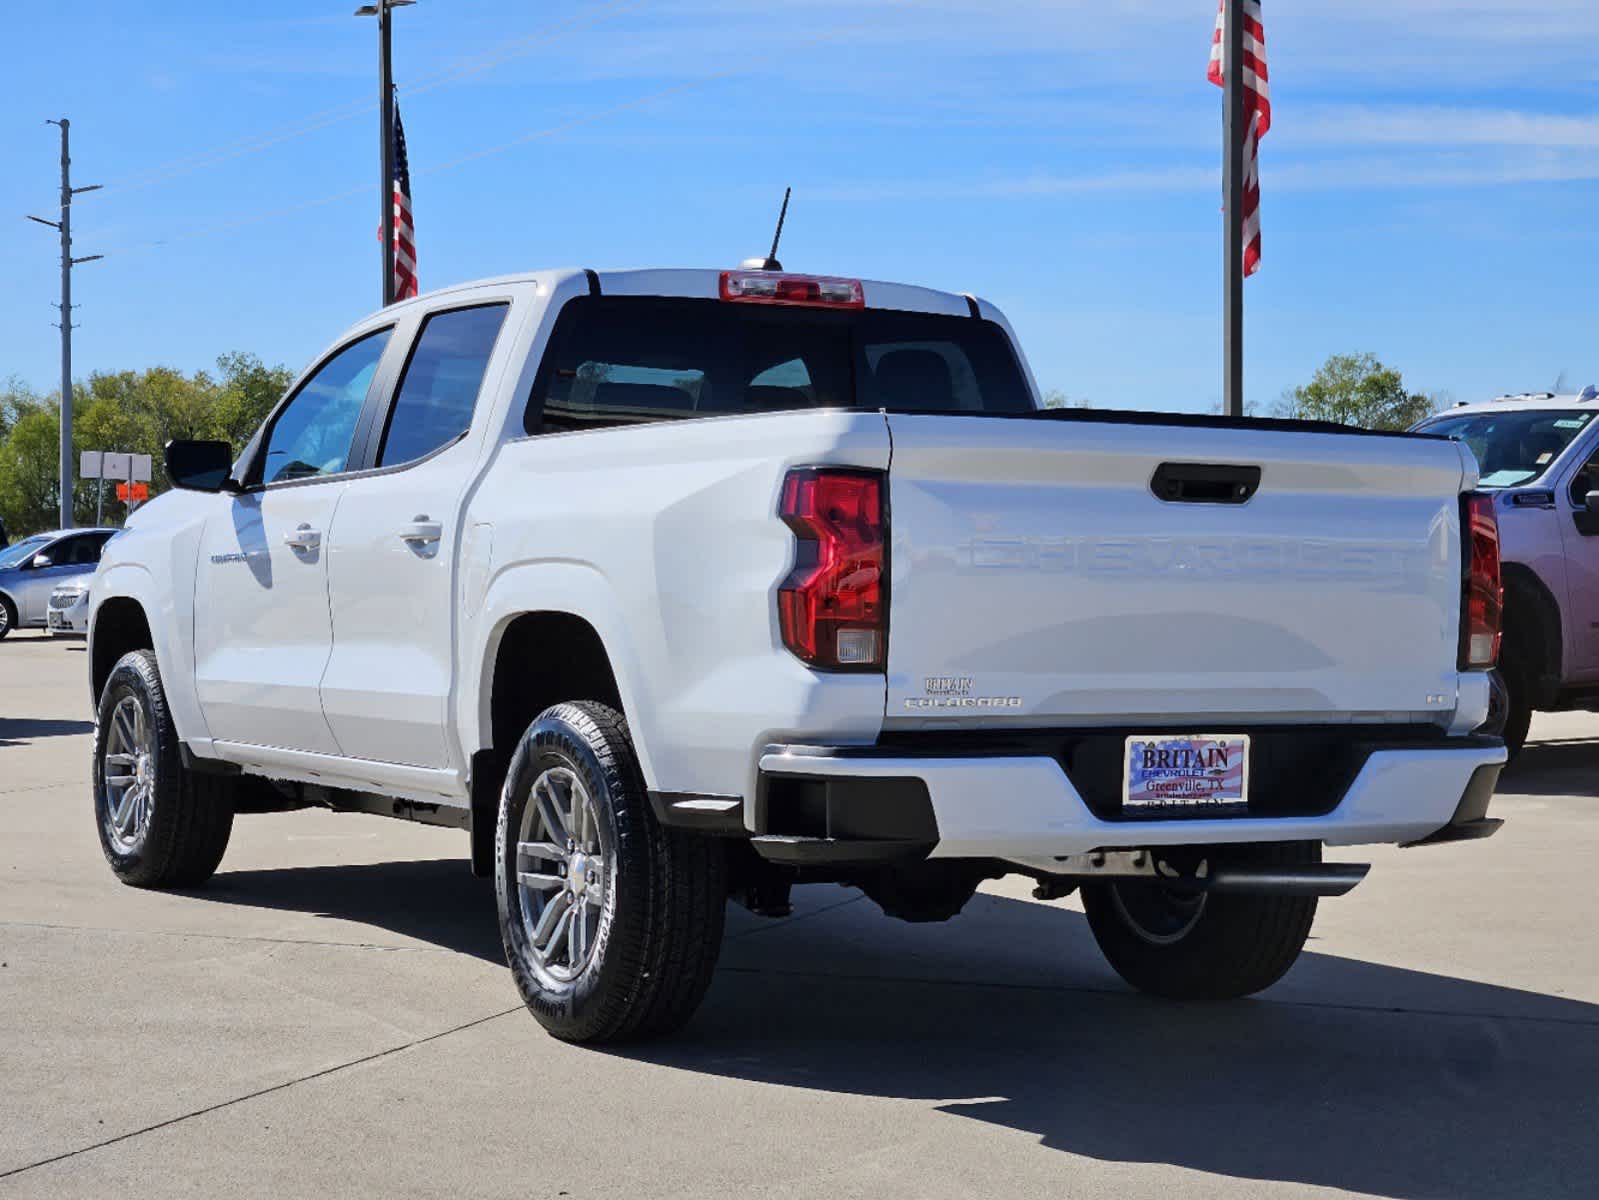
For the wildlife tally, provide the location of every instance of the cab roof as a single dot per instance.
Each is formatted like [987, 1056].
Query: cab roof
[1585, 400]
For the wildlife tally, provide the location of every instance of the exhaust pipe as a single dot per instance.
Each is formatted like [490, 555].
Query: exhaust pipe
[1319, 879]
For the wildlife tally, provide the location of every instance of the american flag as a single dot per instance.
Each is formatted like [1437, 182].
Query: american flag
[1257, 113]
[404, 230]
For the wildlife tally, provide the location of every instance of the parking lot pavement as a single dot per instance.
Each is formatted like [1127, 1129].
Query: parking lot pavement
[331, 1015]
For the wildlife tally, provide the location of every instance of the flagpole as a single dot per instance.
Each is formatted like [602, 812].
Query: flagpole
[1233, 211]
[386, 108]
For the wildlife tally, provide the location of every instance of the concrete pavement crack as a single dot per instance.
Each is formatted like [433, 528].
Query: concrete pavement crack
[266, 1091]
[224, 937]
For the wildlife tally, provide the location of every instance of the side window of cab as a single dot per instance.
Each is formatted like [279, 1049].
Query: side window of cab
[313, 434]
[1586, 479]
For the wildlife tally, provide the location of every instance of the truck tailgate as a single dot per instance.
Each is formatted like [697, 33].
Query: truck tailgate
[1037, 579]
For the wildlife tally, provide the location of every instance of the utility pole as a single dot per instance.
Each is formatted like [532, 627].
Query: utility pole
[1233, 211]
[64, 226]
[381, 10]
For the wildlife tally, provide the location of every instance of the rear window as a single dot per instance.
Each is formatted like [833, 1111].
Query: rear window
[624, 360]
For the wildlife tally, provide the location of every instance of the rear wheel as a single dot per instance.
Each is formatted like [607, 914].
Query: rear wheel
[1515, 673]
[612, 924]
[1189, 945]
[160, 825]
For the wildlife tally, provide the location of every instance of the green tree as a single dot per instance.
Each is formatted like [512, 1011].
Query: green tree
[1055, 398]
[29, 471]
[1357, 389]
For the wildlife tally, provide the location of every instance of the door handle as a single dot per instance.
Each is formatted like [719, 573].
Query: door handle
[421, 530]
[303, 538]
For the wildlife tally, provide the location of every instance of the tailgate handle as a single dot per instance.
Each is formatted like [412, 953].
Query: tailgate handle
[1204, 483]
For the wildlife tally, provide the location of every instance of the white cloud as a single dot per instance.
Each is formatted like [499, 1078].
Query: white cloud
[1437, 126]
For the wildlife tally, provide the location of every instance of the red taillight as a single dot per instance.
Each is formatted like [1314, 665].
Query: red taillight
[831, 607]
[815, 291]
[1483, 600]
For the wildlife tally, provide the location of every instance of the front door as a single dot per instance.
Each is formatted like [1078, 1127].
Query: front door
[1580, 531]
[393, 550]
[262, 631]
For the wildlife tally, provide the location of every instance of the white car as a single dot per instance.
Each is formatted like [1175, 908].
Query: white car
[68, 611]
[676, 586]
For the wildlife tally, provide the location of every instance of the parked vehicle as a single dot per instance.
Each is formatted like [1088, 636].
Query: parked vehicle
[1539, 455]
[675, 586]
[33, 568]
[68, 612]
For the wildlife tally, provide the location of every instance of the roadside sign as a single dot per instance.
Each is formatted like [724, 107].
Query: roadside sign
[135, 493]
[89, 464]
[140, 464]
[114, 465]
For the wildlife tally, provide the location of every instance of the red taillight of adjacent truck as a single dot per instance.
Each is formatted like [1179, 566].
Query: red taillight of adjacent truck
[832, 609]
[1483, 598]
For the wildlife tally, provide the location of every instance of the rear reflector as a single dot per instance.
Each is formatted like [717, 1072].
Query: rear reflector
[814, 291]
[1483, 597]
[831, 608]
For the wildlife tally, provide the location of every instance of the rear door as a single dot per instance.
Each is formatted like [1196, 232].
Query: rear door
[1038, 577]
[393, 550]
[1579, 530]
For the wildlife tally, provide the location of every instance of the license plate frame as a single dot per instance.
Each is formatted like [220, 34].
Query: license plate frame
[55, 620]
[1202, 775]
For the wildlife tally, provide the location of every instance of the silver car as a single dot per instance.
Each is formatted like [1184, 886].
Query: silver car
[32, 569]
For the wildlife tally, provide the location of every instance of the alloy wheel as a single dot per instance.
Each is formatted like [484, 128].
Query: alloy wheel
[128, 772]
[561, 873]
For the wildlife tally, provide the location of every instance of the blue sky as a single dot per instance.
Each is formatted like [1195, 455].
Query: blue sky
[1431, 182]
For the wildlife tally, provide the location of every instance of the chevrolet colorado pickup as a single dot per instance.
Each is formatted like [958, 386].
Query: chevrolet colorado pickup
[675, 587]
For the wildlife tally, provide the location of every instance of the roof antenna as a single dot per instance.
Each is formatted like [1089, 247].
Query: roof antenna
[770, 263]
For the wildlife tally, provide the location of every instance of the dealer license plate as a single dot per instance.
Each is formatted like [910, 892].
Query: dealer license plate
[1190, 775]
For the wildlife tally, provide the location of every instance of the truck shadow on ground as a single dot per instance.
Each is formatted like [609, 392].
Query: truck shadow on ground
[1348, 1075]
[1554, 767]
[16, 731]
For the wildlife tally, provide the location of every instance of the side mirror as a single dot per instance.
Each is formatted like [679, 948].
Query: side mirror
[1591, 502]
[41, 561]
[200, 466]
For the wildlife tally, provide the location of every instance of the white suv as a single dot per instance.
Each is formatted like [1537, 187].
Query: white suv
[675, 586]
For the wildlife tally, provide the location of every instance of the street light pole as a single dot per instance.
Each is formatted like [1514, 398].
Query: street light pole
[64, 227]
[381, 9]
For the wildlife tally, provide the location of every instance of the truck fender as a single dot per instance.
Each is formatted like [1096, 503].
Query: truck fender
[174, 655]
[575, 588]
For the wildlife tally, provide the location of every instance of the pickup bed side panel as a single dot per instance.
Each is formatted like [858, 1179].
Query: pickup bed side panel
[1038, 579]
[666, 539]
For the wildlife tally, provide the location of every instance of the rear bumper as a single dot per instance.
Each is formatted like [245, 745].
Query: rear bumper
[1026, 809]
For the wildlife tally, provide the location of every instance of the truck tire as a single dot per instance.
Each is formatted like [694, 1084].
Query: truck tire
[161, 825]
[612, 924]
[1516, 675]
[1194, 946]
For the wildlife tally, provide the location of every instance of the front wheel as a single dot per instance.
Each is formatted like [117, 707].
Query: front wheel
[612, 924]
[1191, 945]
[160, 824]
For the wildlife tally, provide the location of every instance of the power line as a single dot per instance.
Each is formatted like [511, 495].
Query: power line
[265, 140]
[488, 151]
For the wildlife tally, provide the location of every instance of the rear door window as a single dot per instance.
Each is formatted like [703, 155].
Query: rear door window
[439, 389]
[627, 360]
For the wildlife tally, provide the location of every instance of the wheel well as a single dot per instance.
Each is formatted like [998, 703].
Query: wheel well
[1532, 622]
[119, 626]
[543, 659]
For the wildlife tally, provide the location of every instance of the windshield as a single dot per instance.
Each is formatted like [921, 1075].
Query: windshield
[22, 551]
[1512, 447]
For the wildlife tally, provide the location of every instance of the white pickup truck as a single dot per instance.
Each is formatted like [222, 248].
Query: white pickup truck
[672, 587]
